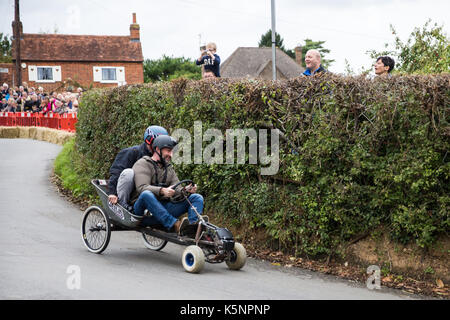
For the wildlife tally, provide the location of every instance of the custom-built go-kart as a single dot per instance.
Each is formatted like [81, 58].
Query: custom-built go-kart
[204, 241]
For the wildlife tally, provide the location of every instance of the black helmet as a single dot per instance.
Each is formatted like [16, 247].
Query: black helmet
[164, 141]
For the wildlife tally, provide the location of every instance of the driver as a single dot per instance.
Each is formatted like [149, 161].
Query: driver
[121, 182]
[153, 177]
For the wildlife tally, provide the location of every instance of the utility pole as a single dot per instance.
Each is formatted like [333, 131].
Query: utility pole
[274, 64]
[17, 32]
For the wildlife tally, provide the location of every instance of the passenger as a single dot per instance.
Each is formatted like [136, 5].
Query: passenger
[153, 178]
[121, 180]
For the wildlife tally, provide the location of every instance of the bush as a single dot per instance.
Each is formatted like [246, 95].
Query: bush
[355, 153]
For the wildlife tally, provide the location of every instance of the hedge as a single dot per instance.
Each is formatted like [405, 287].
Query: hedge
[355, 153]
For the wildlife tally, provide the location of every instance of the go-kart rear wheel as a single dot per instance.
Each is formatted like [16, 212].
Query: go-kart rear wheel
[153, 243]
[95, 229]
[193, 259]
[238, 257]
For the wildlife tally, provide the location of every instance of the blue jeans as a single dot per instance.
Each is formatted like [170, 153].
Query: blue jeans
[166, 212]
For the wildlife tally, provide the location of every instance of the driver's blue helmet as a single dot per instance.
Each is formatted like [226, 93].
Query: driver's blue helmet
[152, 132]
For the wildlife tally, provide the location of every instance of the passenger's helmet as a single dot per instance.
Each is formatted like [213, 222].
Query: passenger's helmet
[152, 132]
[164, 141]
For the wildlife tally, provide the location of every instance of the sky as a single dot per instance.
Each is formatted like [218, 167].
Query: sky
[176, 28]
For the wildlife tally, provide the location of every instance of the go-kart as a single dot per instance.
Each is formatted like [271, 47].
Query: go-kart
[204, 241]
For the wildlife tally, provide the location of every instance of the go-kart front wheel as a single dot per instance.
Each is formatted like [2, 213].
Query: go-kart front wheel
[193, 259]
[153, 243]
[95, 229]
[238, 257]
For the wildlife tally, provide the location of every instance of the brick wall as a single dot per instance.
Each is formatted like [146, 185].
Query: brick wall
[83, 74]
[7, 77]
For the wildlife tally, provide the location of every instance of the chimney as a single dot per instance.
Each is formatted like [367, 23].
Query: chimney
[298, 55]
[134, 30]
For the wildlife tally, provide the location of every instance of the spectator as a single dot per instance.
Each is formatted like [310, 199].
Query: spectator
[3, 104]
[9, 94]
[25, 102]
[312, 61]
[4, 90]
[80, 91]
[12, 105]
[74, 103]
[36, 104]
[384, 65]
[208, 74]
[40, 92]
[16, 97]
[25, 87]
[209, 59]
[48, 105]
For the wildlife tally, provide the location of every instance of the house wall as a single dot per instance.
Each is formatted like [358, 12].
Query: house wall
[82, 73]
[8, 76]
[267, 73]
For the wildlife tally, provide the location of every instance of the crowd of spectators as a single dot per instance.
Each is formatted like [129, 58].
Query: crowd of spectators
[29, 99]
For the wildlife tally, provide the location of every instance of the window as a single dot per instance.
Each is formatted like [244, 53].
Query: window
[109, 74]
[44, 73]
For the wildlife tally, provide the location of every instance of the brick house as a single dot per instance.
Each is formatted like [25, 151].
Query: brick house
[55, 61]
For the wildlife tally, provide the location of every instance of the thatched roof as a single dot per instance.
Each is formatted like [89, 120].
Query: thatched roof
[253, 62]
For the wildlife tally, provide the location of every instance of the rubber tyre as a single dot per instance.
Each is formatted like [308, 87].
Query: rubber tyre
[238, 257]
[95, 240]
[153, 243]
[193, 259]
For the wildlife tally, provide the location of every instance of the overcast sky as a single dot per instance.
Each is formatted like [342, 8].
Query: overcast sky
[172, 27]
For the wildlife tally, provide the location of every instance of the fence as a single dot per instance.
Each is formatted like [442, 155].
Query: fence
[57, 121]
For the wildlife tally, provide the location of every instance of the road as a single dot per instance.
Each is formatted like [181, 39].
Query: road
[41, 252]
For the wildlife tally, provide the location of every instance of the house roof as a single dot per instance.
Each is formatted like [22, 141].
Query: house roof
[62, 47]
[251, 61]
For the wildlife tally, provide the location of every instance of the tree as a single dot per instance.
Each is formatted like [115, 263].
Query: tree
[266, 41]
[426, 51]
[5, 48]
[168, 68]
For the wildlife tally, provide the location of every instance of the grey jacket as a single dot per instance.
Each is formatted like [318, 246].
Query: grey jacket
[149, 175]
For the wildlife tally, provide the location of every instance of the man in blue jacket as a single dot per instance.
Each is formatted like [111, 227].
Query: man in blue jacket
[312, 61]
[121, 181]
[210, 59]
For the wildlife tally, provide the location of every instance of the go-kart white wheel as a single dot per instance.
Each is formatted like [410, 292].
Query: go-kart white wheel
[238, 257]
[95, 229]
[153, 243]
[193, 259]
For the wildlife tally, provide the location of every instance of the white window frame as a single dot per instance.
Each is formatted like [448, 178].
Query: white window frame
[120, 78]
[33, 75]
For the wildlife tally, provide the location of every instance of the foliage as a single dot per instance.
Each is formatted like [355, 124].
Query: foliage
[266, 41]
[169, 68]
[426, 51]
[355, 153]
[68, 169]
[5, 48]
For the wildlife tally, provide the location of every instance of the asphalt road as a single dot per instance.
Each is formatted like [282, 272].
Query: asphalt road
[41, 252]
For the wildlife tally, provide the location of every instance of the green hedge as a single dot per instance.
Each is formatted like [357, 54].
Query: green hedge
[355, 153]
